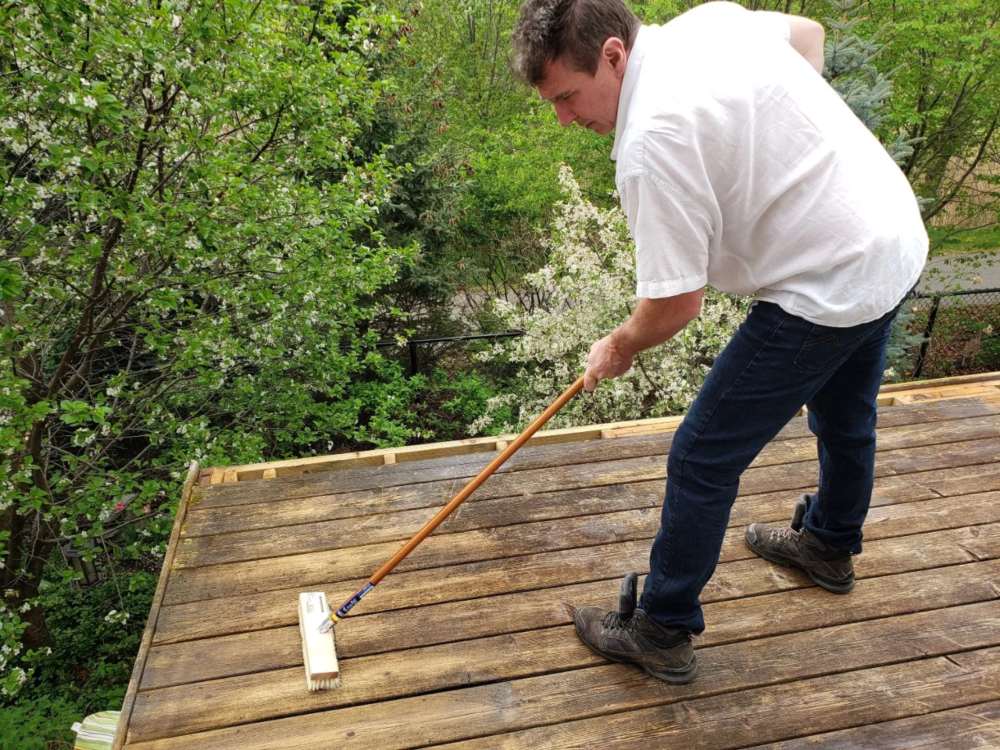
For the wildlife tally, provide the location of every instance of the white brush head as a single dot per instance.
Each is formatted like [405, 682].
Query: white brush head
[319, 653]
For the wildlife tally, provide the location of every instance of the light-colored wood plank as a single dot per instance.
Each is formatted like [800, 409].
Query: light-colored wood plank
[278, 512]
[947, 392]
[915, 385]
[531, 457]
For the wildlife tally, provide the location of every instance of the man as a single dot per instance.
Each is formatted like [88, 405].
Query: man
[737, 166]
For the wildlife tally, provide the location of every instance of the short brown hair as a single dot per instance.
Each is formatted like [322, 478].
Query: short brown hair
[547, 29]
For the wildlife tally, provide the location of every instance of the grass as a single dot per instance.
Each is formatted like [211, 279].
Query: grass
[953, 241]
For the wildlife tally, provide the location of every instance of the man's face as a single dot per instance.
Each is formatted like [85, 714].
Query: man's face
[588, 100]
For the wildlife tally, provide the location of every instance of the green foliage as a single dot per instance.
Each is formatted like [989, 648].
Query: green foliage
[96, 633]
[904, 343]
[449, 403]
[945, 65]
[41, 724]
[488, 142]
[191, 265]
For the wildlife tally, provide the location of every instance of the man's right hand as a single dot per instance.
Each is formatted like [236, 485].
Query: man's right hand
[606, 360]
[652, 322]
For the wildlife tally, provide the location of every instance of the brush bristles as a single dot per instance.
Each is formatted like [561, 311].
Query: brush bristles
[319, 653]
[315, 685]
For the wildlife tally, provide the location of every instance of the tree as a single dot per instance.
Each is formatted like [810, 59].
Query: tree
[946, 64]
[190, 260]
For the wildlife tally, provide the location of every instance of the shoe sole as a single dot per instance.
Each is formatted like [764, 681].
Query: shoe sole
[834, 587]
[678, 677]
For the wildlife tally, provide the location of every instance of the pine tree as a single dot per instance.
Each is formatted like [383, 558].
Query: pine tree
[850, 68]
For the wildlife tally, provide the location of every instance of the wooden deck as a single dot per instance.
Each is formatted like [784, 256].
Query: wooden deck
[468, 645]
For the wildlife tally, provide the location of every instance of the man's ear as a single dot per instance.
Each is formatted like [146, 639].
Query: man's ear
[614, 53]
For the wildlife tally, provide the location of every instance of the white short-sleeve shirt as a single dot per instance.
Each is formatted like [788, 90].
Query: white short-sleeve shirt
[738, 166]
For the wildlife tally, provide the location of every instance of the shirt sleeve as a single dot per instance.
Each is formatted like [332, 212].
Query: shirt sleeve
[671, 233]
[774, 23]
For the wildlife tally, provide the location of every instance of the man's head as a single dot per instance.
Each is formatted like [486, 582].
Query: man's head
[574, 52]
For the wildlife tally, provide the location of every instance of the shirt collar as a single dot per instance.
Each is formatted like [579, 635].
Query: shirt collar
[629, 80]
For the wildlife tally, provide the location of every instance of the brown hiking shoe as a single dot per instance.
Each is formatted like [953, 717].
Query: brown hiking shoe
[798, 548]
[629, 635]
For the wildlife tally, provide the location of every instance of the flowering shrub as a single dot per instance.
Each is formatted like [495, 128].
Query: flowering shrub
[190, 266]
[589, 285]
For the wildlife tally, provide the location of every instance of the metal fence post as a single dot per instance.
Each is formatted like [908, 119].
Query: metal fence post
[412, 346]
[925, 345]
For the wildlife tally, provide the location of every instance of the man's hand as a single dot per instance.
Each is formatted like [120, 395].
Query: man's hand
[652, 322]
[605, 360]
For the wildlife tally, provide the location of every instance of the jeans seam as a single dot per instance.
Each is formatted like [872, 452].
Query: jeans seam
[696, 435]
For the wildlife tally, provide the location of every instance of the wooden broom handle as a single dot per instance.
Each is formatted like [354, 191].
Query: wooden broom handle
[495, 464]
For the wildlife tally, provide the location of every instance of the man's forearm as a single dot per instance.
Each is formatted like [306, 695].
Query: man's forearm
[654, 321]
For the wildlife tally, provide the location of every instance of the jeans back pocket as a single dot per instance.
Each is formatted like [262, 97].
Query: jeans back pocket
[824, 346]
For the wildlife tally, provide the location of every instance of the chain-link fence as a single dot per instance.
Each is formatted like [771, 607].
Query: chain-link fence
[953, 333]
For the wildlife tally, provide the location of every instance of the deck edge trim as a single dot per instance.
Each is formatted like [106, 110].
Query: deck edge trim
[889, 395]
[138, 668]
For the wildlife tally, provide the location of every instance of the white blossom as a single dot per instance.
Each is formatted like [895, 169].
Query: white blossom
[116, 617]
[584, 291]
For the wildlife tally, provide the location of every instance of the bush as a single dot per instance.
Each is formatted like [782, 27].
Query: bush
[588, 284]
[42, 724]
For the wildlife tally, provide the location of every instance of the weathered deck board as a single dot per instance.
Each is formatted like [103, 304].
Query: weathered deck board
[270, 607]
[533, 457]
[190, 661]
[267, 518]
[354, 563]
[773, 713]
[972, 727]
[470, 641]
[306, 538]
[603, 690]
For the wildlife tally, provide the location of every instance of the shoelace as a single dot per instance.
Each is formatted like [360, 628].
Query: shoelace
[615, 621]
[781, 534]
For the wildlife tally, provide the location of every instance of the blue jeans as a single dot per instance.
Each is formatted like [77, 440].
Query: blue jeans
[775, 363]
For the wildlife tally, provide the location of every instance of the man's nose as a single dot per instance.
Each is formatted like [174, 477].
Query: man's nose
[564, 114]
